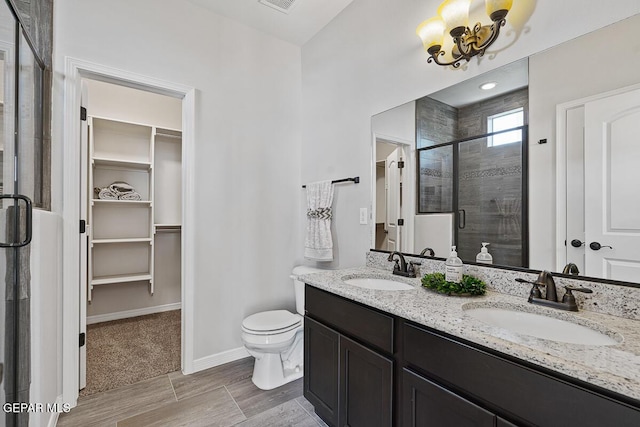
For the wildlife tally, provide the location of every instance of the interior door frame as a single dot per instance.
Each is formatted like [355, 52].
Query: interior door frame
[408, 190]
[75, 71]
[561, 167]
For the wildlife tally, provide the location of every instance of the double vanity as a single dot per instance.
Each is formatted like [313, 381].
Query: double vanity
[380, 350]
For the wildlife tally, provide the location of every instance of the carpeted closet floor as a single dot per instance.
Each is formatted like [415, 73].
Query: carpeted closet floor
[126, 351]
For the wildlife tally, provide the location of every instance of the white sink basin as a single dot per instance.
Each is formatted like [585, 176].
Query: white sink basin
[380, 284]
[540, 326]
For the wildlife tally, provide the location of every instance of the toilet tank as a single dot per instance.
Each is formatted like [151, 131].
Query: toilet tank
[298, 286]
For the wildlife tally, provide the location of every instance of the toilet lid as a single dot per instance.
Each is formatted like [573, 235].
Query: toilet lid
[274, 320]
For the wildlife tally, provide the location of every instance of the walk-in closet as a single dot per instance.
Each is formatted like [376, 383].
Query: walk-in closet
[131, 220]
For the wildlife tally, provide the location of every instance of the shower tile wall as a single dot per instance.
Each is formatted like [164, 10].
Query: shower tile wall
[436, 122]
[37, 18]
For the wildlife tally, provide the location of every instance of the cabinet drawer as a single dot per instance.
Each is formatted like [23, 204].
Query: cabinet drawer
[523, 393]
[367, 325]
[427, 404]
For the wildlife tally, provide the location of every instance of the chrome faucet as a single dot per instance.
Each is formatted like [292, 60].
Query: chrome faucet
[545, 279]
[403, 269]
[571, 268]
[425, 250]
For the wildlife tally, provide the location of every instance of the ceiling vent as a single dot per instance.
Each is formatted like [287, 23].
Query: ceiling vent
[283, 6]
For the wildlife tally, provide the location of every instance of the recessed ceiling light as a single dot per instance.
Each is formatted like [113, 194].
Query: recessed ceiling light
[488, 85]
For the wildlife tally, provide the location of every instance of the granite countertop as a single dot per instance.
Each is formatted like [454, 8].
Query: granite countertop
[613, 367]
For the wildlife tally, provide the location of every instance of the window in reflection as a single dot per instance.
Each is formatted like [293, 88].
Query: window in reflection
[504, 121]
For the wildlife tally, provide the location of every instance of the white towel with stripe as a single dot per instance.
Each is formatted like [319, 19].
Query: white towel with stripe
[318, 243]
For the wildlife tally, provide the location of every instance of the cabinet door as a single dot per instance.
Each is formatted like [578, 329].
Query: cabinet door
[428, 404]
[366, 386]
[321, 370]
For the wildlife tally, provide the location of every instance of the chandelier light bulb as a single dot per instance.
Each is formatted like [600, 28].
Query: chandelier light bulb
[453, 16]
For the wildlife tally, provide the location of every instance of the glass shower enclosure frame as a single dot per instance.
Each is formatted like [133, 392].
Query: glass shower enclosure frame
[22, 160]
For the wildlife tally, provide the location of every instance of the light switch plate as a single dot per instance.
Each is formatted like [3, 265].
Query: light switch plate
[363, 216]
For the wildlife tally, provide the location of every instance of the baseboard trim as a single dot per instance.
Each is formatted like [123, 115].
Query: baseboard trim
[132, 313]
[53, 418]
[219, 359]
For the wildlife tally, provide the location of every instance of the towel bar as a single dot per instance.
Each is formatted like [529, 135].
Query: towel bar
[356, 180]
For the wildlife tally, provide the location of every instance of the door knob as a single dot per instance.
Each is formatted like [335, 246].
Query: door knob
[576, 243]
[597, 246]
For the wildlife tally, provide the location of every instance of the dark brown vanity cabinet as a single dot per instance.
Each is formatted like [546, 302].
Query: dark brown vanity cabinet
[349, 382]
[364, 367]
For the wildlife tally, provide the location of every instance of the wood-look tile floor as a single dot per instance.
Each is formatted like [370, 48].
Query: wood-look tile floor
[220, 396]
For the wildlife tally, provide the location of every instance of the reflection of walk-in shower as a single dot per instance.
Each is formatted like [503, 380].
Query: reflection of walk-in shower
[472, 169]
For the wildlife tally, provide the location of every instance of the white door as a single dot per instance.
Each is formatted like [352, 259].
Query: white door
[575, 237]
[612, 195]
[392, 191]
[85, 198]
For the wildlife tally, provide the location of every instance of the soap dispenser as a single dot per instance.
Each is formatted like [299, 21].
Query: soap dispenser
[484, 257]
[453, 267]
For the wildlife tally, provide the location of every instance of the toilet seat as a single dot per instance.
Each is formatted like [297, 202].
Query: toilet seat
[271, 322]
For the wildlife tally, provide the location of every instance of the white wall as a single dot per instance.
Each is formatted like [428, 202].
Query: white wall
[247, 115]
[397, 124]
[46, 295]
[369, 59]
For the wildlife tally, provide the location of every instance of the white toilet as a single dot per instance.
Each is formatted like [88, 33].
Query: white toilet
[275, 339]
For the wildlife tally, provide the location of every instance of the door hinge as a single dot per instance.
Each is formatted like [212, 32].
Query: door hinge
[83, 339]
[83, 114]
[400, 222]
[83, 226]
[401, 164]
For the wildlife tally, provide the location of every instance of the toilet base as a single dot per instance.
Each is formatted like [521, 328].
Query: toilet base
[269, 373]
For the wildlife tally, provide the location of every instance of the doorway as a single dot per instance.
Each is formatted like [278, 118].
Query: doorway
[597, 221]
[393, 195]
[76, 72]
[131, 162]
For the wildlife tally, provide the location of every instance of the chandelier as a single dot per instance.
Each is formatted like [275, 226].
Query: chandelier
[453, 15]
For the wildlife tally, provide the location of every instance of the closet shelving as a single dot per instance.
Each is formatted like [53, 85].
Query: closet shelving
[122, 233]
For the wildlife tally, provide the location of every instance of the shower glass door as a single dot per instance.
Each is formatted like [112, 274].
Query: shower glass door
[491, 202]
[21, 174]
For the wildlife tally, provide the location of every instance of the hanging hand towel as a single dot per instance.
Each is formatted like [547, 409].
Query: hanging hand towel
[318, 244]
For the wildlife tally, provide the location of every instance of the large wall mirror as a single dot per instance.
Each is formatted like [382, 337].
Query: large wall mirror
[511, 165]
